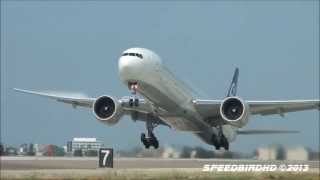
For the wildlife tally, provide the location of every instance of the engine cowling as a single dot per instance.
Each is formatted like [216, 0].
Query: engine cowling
[107, 110]
[234, 111]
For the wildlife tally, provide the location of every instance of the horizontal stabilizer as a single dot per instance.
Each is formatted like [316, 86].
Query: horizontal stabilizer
[265, 131]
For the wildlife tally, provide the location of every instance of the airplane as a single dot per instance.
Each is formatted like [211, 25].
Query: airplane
[158, 98]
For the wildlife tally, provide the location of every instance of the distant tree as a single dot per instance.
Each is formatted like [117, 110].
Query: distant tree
[54, 150]
[77, 152]
[227, 154]
[314, 156]
[203, 153]
[11, 151]
[31, 151]
[186, 152]
[280, 152]
[58, 151]
[1, 150]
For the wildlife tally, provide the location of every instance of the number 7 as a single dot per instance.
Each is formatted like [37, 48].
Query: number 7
[106, 154]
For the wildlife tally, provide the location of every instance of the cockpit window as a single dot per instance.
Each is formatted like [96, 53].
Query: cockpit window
[133, 54]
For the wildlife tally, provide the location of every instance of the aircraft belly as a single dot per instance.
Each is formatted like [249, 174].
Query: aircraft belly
[157, 97]
[172, 103]
[183, 124]
[178, 115]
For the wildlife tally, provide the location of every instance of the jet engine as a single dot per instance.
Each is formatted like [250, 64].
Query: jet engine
[107, 110]
[234, 111]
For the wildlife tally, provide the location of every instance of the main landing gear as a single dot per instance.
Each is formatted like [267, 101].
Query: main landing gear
[220, 140]
[134, 100]
[151, 139]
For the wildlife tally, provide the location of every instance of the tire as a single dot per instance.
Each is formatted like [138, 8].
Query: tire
[156, 144]
[226, 147]
[147, 145]
[143, 137]
[225, 143]
[130, 102]
[215, 142]
[136, 102]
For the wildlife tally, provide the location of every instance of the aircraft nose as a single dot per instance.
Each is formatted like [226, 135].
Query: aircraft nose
[124, 64]
[128, 67]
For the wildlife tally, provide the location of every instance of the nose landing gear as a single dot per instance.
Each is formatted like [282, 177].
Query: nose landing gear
[134, 100]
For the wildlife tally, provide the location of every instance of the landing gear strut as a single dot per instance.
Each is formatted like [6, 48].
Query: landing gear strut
[150, 139]
[134, 100]
[220, 140]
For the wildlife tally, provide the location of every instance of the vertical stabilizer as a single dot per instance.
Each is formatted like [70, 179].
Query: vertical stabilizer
[234, 84]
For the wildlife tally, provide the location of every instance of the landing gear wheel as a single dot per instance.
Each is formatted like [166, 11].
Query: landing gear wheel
[225, 143]
[136, 102]
[156, 144]
[226, 147]
[215, 142]
[217, 147]
[131, 102]
[144, 141]
[220, 140]
[143, 138]
[154, 141]
[149, 141]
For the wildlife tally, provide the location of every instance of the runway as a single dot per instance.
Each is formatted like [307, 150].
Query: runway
[139, 168]
[34, 163]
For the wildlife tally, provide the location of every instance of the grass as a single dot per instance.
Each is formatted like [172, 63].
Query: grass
[160, 175]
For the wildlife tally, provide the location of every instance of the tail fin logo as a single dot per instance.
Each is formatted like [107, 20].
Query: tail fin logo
[234, 84]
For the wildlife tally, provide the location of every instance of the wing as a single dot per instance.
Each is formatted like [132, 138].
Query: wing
[211, 108]
[282, 107]
[141, 113]
[69, 98]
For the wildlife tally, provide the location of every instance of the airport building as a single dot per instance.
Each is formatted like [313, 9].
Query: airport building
[297, 153]
[83, 144]
[277, 152]
[266, 153]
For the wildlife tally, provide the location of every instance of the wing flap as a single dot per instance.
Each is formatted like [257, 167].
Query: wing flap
[265, 131]
[207, 108]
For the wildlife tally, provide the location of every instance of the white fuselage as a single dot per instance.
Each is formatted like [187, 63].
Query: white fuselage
[167, 94]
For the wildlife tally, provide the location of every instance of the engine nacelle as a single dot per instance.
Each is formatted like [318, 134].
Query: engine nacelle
[107, 110]
[234, 111]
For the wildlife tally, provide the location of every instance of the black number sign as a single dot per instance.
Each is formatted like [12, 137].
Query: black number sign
[106, 157]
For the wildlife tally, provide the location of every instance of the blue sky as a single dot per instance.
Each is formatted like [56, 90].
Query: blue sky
[75, 46]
